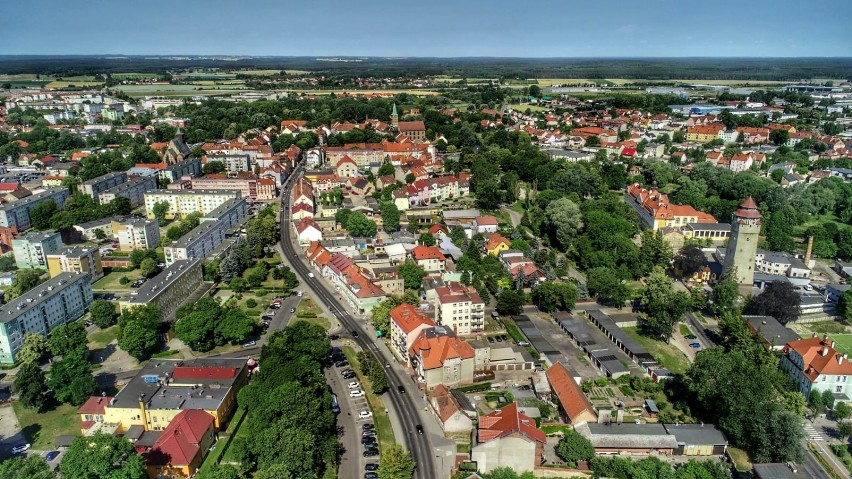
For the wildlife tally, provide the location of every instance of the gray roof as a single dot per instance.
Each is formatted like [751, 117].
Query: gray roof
[224, 208]
[696, 434]
[608, 361]
[778, 471]
[75, 251]
[628, 435]
[130, 184]
[39, 294]
[771, 330]
[37, 236]
[105, 177]
[34, 198]
[95, 224]
[156, 285]
[193, 235]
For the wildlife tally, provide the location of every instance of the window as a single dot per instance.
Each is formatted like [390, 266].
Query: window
[838, 389]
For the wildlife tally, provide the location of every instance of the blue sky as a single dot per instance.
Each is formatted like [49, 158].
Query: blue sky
[437, 28]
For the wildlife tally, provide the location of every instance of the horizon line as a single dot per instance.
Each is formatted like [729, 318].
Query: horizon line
[415, 57]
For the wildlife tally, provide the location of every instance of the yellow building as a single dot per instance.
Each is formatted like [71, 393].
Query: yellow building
[79, 259]
[496, 244]
[704, 133]
[184, 202]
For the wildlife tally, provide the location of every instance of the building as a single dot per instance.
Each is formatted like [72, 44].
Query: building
[775, 335]
[406, 323]
[234, 162]
[574, 406]
[459, 308]
[98, 185]
[55, 302]
[308, 231]
[231, 212]
[184, 202]
[169, 289]
[134, 190]
[439, 357]
[77, 259]
[656, 212]
[166, 387]
[429, 258]
[704, 133]
[655, 438]
[496, 244]
[31, 250]
[454, 410]
[413, 130]
[186, 167]
[507, 438]
[197, 243]
[248, 187]
[181, 448]
[777, 470]
[95, 230]
[16, 215]
[712, 232]
[814, 365]
[742, 246]
[92, 411]
[136, 233]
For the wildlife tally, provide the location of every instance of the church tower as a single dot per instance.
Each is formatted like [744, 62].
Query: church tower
[742, 246]
[394, 118]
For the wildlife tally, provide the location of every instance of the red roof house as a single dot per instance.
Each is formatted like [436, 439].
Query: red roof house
[181, 448]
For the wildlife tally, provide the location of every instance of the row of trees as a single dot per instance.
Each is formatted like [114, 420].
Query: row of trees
[205, 324]
[79, 208]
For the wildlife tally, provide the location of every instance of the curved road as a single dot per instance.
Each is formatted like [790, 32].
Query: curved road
[403, 404]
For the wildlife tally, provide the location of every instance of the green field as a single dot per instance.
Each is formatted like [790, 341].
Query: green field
[41, 429]
[667, 355]
[110, 282]
[843, 343]
[100, 338]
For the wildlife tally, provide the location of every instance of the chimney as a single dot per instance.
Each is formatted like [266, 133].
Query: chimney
[824, 351]
[813, 335]
[840, 359]
[809, 250]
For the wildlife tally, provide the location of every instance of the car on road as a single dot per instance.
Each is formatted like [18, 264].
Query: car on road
[342, 364]
[695, 345]
[371, 453]
[371, 475]
[419, 429]
[356, 393]
[51, 455]
[365, 414]
[523, 343]
[354, 385]
[371, 467]
[310, 275]
[691, 336]
[250, 344]
[292, 310]
[20, 449]
[401, 389]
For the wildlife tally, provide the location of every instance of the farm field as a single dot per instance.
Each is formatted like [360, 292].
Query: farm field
[58, 84]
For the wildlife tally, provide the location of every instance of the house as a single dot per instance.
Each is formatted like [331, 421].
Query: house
[814, 365]
[413, 130]
[429, 258]
[656, 212]
[454, 410]
[439, 357]
[406, 323]
[497, 243]
[92, 411]
[574, 406]
[485, 224]
[301, 211]
[308, 231]
[459, 308]
[775, 335]
[346, 167]
[182, 446]
[704, 133]
[507, 438]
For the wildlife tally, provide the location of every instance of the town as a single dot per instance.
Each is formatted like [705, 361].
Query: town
[316, 275]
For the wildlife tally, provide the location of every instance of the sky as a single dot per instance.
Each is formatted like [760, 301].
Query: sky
[429, 28]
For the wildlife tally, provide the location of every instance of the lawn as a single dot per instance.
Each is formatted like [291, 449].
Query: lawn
[222, 451]
[740, 459]
[667, 355]
[263, 303]
[41, 429]
[843, 342]
[100, 338]
[827, 327]
[110, 282]
[684, 330]
[384, 430]
[525, 107]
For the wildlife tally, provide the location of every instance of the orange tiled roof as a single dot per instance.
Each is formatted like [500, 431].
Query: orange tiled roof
[408, 317]
[573, 401]
[819, 357]
[433, 351]
[507, 421]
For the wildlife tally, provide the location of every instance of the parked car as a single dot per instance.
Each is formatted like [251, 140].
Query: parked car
[51, 455]
[333, 337]
[365, 415]
[523, 343]
[356, 393]
[348, 375]
[342, 364]
[371, 467]
[499, 339]
[491, 339]
[354, 333]
[400, 389]
[695, 345]
[691, 336]
[310, 275]
[20, 449]
[354, 385]
[371, 453]
[370, 475]
[250, 344]
[368, 427]
[368, 441]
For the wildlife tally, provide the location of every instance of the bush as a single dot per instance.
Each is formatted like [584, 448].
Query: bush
[251, 303]
[306, 314]
[123, 280]
[260, 293]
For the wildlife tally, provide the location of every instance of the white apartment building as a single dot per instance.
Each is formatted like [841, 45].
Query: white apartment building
[459, 307]
[136, 233]
[184, 202]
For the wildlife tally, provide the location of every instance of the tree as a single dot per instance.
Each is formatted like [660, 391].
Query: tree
[29, 467]
[102, 456]
[689, 260]
[148, 267]
[592, 141]
[212, 167]
[385, 170]
[564, 220]
[409, 178]
[71, 379]
[605, 284]
[66, 339]
[844, 430]
[550, 296]
[139, 330]
[396, 463]
[841, 411]
[359, 225]
[844, 306]
[139, 255]
[573, 448]
[31, 386]
[238, 284]
[411, 274]
[779, 137]
[780, 300]
[342, 216]
[535, 91]
[196, 330]
[390, 216]
[426, 239]
[509, 302]
[25, 280]
[725, 294]
[664, 306]
[32, 349]
[235, 326]
[102, 313]
[42, 213]
[160, 209]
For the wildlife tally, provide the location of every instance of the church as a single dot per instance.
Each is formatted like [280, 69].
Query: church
[177, 150]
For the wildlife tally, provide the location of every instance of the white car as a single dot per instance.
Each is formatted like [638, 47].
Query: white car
[310, 275]
[354, 385]
[356, 393]
[20, 449]
[365, 415]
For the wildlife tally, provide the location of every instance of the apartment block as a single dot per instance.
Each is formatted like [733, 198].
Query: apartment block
[79, 259]
[233, 162]
[136, 233]
[98, 185]
[196, 244]
[17, 214]
[459, 308]
[173, 172]
[184, 202]
[55, 302]
[246, 186]
[134, 190]
[31, 250]
[169, 289]
[231, 212]
[90, 229]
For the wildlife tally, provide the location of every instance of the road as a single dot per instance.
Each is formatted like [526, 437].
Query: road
[811, 467]
[698, 328]
[403, 404]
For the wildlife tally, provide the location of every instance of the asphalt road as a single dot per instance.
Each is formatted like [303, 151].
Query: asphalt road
[403, 404]
[698, 328]
[352, 460]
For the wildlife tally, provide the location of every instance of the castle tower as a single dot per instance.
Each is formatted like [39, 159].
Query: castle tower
[742, 246]
[394, 117]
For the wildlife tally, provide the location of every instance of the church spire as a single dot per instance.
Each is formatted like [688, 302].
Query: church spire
[394, 117]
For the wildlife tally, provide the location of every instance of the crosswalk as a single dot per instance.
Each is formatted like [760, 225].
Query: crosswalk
[812, 433]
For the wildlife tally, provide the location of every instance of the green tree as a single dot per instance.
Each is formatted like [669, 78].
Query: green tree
[234, 326]
[196, 330]
[148, 268]
[795, 402]
[103, 313]
[573, 448]
[359, 225]
[844, 430]
[396, 463]
[550, 296]
[689, 260]
[29, 467]
[411, 274]
[409, 178]
[31, 386]
[66, 339]
[71, 379]
[102, 456]
[605, 284]
[725, 294]
[212, 167]
[386, 169]
[42, 213]
[160, 210]
[390, 216]
[509, 302]
[238, 284]
[664, 306]
[844, 306]
[25, 280]
[779, 137]
[139, 330]
[564, 221]
[841, 411]
[342, 216]
[426, 239]
[33, 348]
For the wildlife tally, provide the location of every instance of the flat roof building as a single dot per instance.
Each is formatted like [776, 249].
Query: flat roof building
[169, 289]
[134, 190]
[77, 259]
[184, 202]
[98, 185]
[31, 249]
[136, 233]
[17, 214]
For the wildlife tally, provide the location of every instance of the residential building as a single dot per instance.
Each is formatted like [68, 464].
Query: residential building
[814, 365]
[429, 258]
[266, 189]
[346, 168]
[308, 231]
[136, 233]
[181, 448]
[656, 212]
[439, 357]
[92, 411]
[184, 202]
[454, 410]
[496, 244]
[406, 323]
[187, 167]
[413, 130]
[742, 246]
[247, 186]
[197, 243]
[16, 215]
[31, 249]
[713, 232]
[704, 133]
[774, 334]
[134, 190]
[77, 259]
[98, 185]
[233, 162]
[95, 230]
[55, 302]
[459, 308]
[169, 289]
[507, 438]
[485, 224]
[574, 406]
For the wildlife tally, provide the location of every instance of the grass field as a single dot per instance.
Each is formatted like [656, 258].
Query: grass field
[110, 282]
[843, 342]
[668, 355]
[525, 107]
[384, 430]
[58, 84]
[41, 429]
[100, 338]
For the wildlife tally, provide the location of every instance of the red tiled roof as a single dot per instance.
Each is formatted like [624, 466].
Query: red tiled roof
[496, 240]
[455, 292]
[412, 126]
[573, 401]
[409, 318]
[94, 405]
[181, 441]
[426, 252]
[306, 223]
[187, 372]
[434, 229]
[444, 402]
[507, 421]
[486, 220]
[748, 209]
[433, 351]
[819, 357]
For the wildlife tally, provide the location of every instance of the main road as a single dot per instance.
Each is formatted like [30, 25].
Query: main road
[403, 403]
